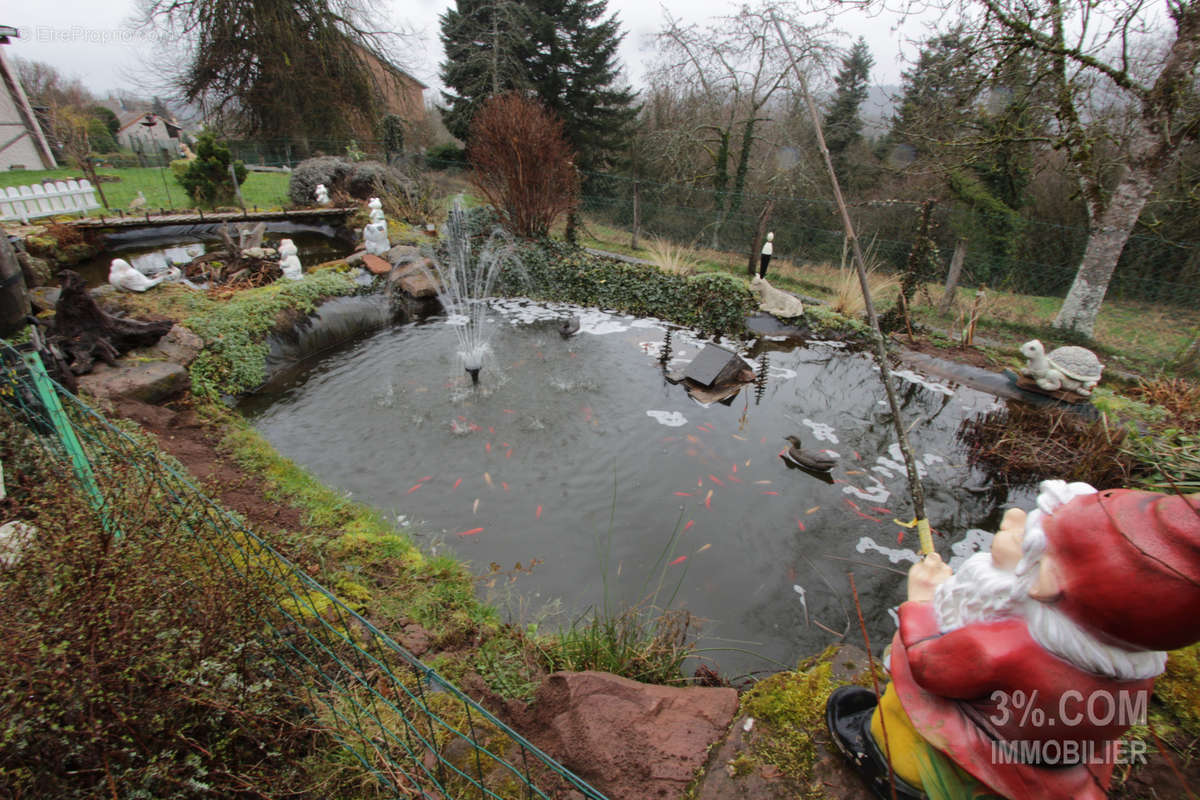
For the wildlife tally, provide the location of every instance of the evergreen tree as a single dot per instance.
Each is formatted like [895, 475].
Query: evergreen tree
[487, 44]
[842, 124]
[564, 51]
[938, 93]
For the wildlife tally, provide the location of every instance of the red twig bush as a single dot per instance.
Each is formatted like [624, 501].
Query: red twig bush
[522, 163]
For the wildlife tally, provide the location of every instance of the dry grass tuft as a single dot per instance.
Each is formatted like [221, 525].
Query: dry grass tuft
[1022, 445]
[674, 258]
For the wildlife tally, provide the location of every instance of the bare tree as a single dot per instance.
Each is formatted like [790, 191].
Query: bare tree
[1121, 79]
[734, 68]
[522, 163]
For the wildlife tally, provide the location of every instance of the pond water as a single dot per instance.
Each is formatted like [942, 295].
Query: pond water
[579, 458]
[154, 248]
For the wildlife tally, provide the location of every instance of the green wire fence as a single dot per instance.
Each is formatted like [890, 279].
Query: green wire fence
[414, 731]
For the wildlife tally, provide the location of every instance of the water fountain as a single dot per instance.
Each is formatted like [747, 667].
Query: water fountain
[466, 283]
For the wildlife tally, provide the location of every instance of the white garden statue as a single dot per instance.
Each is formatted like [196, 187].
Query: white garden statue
[123, 276]
[375, 236]
[1064, 369]
[322, 195]
[289, 262]
[376, 207]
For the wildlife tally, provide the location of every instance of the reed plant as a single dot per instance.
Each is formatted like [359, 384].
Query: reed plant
[648, 641]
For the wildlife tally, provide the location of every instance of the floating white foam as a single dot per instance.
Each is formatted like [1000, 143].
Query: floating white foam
[872, 494]
[821, 431]
[672, 419]
[781, 373]
[894, 554]
[920, 380]
[974, 541]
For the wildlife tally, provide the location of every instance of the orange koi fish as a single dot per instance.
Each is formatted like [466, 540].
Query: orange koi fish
[471, 532]
[457, 484]
[811, 510]
[679, 560]
[715, 479]
[413, 489]
[774, 493]
[689, 524]
[505, 485]
[684, 494]
[487, 478]
[800, 525]
[538, 514]
[704, 547]
[708, 499]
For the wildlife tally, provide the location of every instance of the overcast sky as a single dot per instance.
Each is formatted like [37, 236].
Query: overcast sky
[93, 40]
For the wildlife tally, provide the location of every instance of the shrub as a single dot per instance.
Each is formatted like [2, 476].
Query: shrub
[445, 156]
[359, 180]
[131, 668]
[207, 179]
[521, 163]
[179, 168]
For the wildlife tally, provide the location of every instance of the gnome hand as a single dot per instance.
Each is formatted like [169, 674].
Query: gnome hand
[925, 576]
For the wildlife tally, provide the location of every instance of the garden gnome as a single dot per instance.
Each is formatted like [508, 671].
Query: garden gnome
[765, 258]
[123, 276]
[322, 195]
[1018, 674]
[289, 262]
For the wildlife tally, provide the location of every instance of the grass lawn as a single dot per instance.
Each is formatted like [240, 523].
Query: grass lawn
[1139, 336]
[263, 189]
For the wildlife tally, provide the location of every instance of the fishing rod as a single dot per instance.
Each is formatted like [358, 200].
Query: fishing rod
[916, 490]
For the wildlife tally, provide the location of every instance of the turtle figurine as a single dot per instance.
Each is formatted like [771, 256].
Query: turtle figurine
[1066, 369]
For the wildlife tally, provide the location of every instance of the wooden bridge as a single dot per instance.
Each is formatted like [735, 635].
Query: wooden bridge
[162, 219]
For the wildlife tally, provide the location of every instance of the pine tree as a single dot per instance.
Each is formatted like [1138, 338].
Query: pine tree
[563, 51]
[487, 45]
[842, 124]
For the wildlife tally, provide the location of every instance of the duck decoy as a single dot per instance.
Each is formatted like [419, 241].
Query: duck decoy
[569, 326]
[816, 460]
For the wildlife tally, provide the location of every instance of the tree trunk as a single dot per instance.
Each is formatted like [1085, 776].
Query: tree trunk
[956, 263]
[637, 218]
[1107, 234]
[763, 218]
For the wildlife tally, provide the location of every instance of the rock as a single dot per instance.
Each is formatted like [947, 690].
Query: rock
[402, 254]
[14, 537]
[629, 739]
[149, 383]
[415, 280]
[775, 301]
[37, 271]
[355, 259]
[44, 298]
[376, 265]
[180, 346]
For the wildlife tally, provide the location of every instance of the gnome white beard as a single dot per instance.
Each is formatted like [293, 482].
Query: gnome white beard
[980, 593]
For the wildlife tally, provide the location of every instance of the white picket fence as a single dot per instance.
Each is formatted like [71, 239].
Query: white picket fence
[45, 199]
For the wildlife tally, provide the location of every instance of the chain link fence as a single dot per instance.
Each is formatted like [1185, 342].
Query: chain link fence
[411, 729]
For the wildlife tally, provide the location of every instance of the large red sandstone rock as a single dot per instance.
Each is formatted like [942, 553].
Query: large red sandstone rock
[630, 740]
[376, 265]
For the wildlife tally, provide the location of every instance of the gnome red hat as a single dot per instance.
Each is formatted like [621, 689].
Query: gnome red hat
[1128, 564]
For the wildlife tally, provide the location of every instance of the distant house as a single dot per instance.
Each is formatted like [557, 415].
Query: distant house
[22, 143]
[149, 134]
[403, 95]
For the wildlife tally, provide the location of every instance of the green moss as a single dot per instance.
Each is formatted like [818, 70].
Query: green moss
[790, 706]
[823, 318]
[235, 332]
[352, 593]
[1179, 688]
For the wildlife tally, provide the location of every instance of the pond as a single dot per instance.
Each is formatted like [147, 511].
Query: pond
[577, 459]
[149, 249]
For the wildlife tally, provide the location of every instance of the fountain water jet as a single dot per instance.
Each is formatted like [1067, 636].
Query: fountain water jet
[467, 282]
